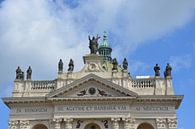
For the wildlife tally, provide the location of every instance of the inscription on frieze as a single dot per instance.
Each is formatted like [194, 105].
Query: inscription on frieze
[152, 108]
[91, 108]
[31, 110]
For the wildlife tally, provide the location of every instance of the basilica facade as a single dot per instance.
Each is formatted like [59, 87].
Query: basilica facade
[102, 95]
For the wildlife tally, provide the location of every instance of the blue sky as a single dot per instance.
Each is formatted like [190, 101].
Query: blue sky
[39, 33]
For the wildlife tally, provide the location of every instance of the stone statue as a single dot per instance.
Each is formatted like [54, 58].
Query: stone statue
[168, 70]
[18, 73]
[115, 64]
[125, 64]
[157, 70]
[93, 44]
[71, 66]
[29, 73]
[60, 66]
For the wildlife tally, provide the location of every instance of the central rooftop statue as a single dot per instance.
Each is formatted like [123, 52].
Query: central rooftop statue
[93, 44]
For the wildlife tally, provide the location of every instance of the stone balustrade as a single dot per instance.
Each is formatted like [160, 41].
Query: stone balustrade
[43, 85]
[143, 83]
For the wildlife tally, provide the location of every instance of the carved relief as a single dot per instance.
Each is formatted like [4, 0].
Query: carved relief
[68, 123]
[129, 123]
[172, 123]
[13, 124]
[161, 122]
[82, 93]
[24, 124]
[105, 123]
[57, 122]
[115, 123]
[78, 125]
[93, 92]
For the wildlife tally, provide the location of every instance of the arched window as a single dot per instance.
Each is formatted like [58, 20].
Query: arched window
[39, 126]
[92, 126]
[145, 126]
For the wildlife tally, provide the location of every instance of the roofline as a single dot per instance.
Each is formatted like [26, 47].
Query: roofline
[142, 98]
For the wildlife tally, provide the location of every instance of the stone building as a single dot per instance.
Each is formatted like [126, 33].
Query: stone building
[102, 95]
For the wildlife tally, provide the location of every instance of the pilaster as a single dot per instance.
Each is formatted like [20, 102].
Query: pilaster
[68, 123]
[172, 123]
[161, 123]
[57, 123]
[115, 123]
[129, 123]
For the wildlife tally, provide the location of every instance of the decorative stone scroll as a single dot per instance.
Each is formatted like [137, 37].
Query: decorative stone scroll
[57, 123]
[161, 123]
[13, 124]
[172, 123]
[115, 123]
[24, 124]
[129, 123]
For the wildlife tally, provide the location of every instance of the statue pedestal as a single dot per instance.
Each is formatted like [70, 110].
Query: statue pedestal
[93, 58]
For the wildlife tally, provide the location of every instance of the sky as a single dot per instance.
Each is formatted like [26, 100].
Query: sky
[40, 32]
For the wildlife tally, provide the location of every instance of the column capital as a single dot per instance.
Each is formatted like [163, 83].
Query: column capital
[172, 123]
[68, 120]
[161, 123]
[57, 120]
[68, 123]
[128, 119]
[115, 122]
[115, 119]
[129, 123]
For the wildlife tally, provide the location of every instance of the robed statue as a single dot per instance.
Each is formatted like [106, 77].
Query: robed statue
[115, 64]
[71, 65]
[168, 70]
[157, 70]
[19, 74]
[29, 73]
[93, 44]
[60, 66]
[125, 64]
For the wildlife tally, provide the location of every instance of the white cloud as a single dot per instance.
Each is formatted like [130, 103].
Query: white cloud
[180, 62]
[39, 32]
[138, 67]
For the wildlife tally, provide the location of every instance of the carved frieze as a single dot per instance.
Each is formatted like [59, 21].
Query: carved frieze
[172, 123]
[13, 124]
[161, 123]
[129, 123]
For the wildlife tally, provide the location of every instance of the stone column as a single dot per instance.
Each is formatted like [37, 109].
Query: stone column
[68, 123]
[129, 123]
[57, 123]
[24, 124]
[115, 123]
[14, 124]
[172, 123]
[161, 123]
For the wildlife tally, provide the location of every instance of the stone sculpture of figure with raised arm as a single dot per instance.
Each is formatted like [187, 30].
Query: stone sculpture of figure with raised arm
[93, 44]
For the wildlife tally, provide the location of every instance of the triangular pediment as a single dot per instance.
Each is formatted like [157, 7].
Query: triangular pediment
[91, 86]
